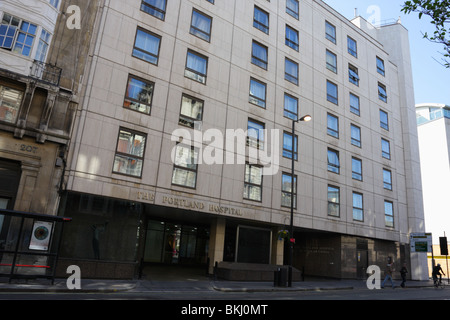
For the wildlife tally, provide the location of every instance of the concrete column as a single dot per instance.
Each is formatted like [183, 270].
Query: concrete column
[277, 249]
[216, 243]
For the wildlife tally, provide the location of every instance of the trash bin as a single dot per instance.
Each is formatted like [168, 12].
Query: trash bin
[280, 277]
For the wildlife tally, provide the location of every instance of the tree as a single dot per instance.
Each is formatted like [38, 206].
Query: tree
[439, 12]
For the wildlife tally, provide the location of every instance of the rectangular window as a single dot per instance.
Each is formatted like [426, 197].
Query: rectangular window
[8, 29]
[253, 182]
[292, 38]
[358, 213]
[333, 161]
[25, 38]
[384, 120]
[330, 32]
[261, 20]
[191, 111]
[185, 166]
[331, 61]
[333, 201]
[291, 71]
[387, 179]
[355, 135]
[10, 101]
[385, 149]
[382, 95]
[354, 104]
[380, 66]
[129, 157]
[257, 93]
[353, 75]
[139, 94]
[389, 214]
[146, 46]
[290, 107]
[286, 189]
[54, 3]
[259, 55]
[292, 8]
[352, 47]
[332, 125]
[287, 146]
[156, 8]
[201, 25]
[356, 169]
[255, 134]
[332, 92]
[196, 67]
[42, 49]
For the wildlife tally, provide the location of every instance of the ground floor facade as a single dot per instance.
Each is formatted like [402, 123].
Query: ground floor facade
[113, 238]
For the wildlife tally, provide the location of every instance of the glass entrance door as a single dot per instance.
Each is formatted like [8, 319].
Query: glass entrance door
[172, 243]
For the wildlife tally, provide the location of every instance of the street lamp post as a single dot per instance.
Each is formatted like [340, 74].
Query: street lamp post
[291, 231]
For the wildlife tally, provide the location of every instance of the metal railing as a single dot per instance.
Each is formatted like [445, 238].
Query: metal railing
[46, 72]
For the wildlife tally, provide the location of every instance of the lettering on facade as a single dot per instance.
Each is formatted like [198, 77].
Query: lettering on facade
[148, 196]
[190, 204]
[28, 148]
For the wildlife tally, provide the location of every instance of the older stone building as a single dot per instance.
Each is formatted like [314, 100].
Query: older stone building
[148, 182]
[41, 64]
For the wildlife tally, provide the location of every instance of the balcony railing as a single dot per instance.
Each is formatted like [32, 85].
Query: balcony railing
[46, 72]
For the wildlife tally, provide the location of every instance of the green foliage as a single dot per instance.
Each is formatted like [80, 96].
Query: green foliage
[439, 12]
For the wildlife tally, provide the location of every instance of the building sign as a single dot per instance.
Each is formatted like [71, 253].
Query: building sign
[421, 242]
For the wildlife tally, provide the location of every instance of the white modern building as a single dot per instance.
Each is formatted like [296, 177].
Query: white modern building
[433, 122]
[139, 195]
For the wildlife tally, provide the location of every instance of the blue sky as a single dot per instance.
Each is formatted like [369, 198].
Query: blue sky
[431, 80]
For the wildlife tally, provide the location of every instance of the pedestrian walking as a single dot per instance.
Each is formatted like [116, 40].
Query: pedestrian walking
[403, 272]
[388, 276]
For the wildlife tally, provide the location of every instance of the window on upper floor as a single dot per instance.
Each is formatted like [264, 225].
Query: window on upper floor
[380, 66]
[255, 134]
[185, 166]
[387, 179]
[10, 102]
[146, 46]
[331, 61]
[389, 214]
[385, 149]
[288, 144]
[17, 35]
[333, 161]
[292, 38]
[332, 125]
[330, 32]
[384, 120]
[352, 47]
[286, 190]
[332, 92]
[130, 151]
[257, 94]
[382, 95]
[156, 8]
[292, 8]
[201, 25]
[358, 211]
[291, 71]
[355, 135]
[353, 76]
[354, 104]
[261, 20]
[356, 169]
[259, 55]
[139, 94]
[333, 196]
[290, 107]
[196, 67]
[191, 111]
[253, 182]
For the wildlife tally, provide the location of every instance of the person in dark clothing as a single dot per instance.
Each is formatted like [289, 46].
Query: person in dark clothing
[403, 272]
[437, 271]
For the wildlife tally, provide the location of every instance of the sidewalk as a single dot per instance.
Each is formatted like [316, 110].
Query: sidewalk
[110, 286]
